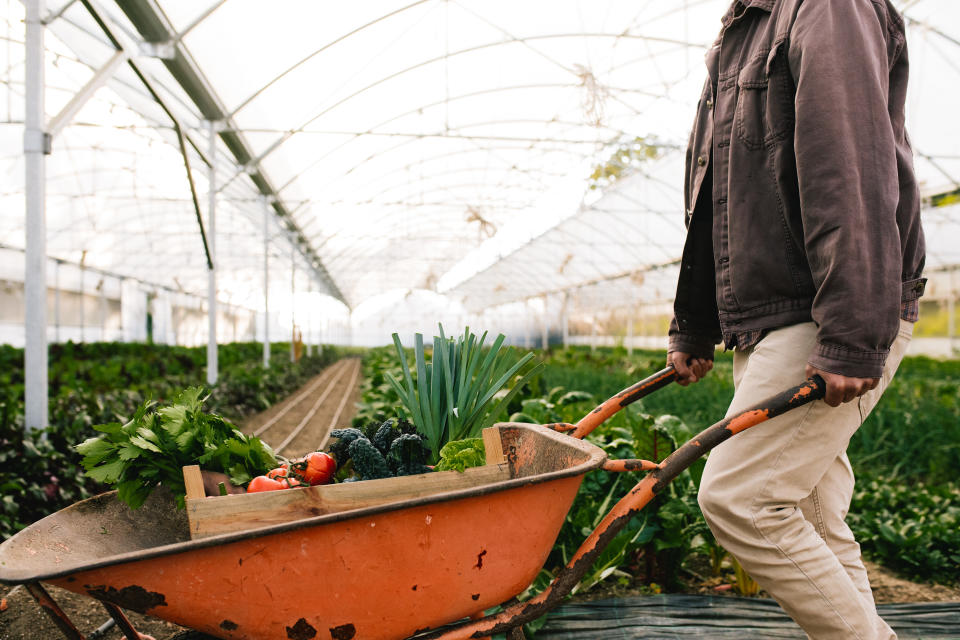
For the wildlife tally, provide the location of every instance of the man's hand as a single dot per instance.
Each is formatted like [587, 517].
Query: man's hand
[689, 369]
[842, 389]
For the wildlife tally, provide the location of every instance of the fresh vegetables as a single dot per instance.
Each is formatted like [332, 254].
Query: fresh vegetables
[462, 454]
[153, 447]
[455, 395]
[264, 483]
[315, 468]
[279, 472]
[380, 450]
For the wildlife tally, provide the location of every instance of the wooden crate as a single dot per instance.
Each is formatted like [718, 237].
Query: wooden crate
[209, 516]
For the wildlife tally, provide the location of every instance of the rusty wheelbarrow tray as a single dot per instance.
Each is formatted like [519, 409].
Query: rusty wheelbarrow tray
[385, 572]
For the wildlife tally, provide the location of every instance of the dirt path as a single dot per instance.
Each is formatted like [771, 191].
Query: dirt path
[302, 422]
[298, 424]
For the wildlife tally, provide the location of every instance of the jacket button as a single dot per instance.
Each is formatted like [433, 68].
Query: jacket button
[702, 161]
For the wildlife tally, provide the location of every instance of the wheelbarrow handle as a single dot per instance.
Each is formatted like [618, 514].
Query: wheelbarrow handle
[653, 483]
[628, 396]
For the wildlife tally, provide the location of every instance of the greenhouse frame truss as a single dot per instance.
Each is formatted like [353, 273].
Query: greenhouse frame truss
[514, 168]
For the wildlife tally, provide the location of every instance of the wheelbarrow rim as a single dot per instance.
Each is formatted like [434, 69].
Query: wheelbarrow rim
[15, 575]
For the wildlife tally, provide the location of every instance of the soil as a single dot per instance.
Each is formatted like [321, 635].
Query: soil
[337, 390]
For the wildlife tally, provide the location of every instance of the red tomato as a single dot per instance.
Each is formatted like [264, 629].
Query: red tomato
[263, 483]
[290, 482]
[278, 473]
[316, 468]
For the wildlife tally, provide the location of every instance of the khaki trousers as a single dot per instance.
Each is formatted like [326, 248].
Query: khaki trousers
[776, 495]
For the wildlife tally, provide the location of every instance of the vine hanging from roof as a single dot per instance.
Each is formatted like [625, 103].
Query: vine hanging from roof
[485, 228]
[594, 98]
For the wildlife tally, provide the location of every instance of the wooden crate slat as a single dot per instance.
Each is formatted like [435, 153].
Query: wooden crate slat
[226, 514]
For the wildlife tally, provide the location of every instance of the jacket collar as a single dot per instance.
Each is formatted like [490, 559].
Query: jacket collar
[766, 5]
[737, 7]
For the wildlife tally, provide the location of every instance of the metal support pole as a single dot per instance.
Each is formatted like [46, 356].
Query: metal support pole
[527, 340]
[293, 297]
[35, 145]
[951, 312]
[102, 287]
[212, 360]
[266, 279]
[56, 301]
[100, 78]
[630, 332]
[593, 334]
[565, 319]
[83, 304]
[545, 338]
[309, 333]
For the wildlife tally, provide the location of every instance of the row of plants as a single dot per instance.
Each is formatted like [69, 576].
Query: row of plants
[104, 383]
[912, 434]
[906, 507]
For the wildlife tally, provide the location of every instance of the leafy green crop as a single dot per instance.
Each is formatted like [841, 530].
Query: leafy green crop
[153, 447]
[454, 396]
[379, 450]
[458, 455]
[912, 527]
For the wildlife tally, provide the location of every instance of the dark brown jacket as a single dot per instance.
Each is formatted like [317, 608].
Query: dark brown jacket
[801, 201]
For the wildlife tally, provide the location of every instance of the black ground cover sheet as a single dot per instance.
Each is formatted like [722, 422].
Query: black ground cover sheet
[687, 616]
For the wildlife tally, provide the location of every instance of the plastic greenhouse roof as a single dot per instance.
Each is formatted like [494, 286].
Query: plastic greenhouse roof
[443, 145]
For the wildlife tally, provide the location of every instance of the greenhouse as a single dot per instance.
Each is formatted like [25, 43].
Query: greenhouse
[373, 231]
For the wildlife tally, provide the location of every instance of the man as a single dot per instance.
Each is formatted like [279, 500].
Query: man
[804, 253]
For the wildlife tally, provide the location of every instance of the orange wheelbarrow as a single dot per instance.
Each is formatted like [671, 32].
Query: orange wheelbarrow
[399, 569]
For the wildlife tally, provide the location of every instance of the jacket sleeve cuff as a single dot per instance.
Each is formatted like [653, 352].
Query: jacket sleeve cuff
[696, 346]
[842, 361]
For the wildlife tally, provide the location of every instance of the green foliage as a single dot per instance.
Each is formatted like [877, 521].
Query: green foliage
[379, 450]
[655, 543]
[98, 383]
[906, 453]
[912, 527]
[912, 434]
[377, 400]
[454, 396]
[154, 445]
[458, 455]
[368, 461]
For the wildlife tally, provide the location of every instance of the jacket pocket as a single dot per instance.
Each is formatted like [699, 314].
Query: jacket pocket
[750, 116]
[764, 99]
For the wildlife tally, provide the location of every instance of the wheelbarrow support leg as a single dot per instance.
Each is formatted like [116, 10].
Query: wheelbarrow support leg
[123, 623]
[53, 610]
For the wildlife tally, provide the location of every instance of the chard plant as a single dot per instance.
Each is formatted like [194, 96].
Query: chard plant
[457, 393]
